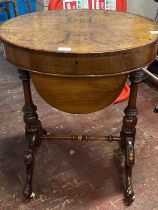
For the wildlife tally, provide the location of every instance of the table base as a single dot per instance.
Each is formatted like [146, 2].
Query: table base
[35, 133]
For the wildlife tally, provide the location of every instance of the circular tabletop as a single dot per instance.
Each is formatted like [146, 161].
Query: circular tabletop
[79, 31]
[80, 42]
[79, 60]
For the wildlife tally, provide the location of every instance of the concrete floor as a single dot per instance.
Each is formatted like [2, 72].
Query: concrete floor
[69, 175]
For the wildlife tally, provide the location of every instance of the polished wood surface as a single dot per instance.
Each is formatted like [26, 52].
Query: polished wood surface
[112, 38]
[79, 94]
[84, 31]
[79, 60]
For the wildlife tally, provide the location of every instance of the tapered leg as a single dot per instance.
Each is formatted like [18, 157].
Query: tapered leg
[128, 134]
[33, 129]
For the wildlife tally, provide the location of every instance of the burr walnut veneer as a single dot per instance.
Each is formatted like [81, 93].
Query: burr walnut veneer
[79, 62]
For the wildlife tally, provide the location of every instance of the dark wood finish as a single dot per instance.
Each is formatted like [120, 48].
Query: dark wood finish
[79, 62]
[79, 94]
[33, 130]
[80, 138]
[128, 134]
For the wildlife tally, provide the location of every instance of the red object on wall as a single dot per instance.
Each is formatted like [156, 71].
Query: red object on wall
[55, 5]
[121, 5]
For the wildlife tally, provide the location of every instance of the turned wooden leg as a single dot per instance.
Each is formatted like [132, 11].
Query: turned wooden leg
[33, 129]
[128, 135]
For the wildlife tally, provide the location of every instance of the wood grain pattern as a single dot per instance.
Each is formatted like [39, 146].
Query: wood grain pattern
[98, 43]
[84, 31]
[79, 95]
[101, 42]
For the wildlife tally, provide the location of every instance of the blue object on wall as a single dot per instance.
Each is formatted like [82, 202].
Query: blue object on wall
[21, 6]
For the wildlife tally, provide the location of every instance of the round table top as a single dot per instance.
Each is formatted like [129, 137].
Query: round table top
[79, 31]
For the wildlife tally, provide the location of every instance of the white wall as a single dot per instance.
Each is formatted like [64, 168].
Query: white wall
[147, 8]
[42, 5]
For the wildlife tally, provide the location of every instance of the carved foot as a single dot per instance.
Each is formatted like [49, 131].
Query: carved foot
[29, 162]
[27, 191]
[129, 196]
[129, 163]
